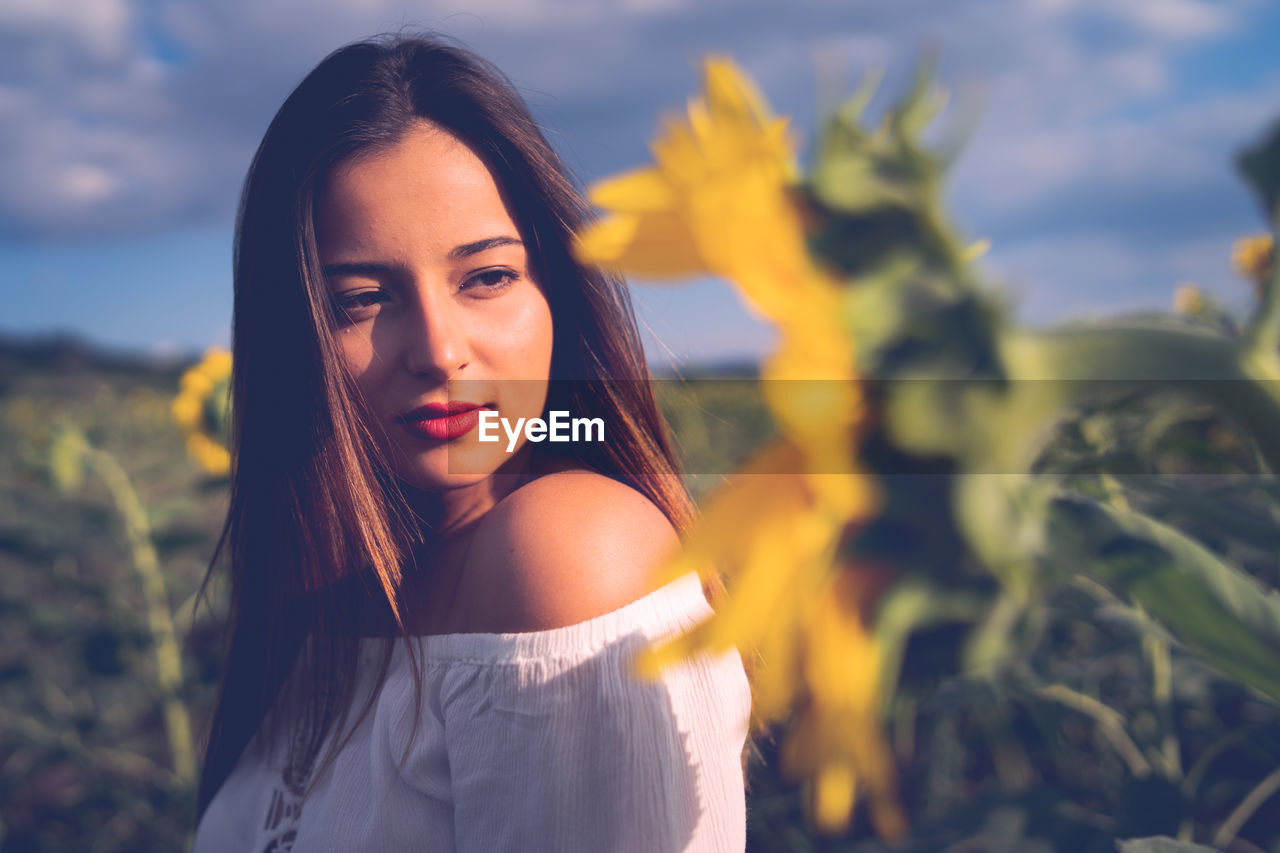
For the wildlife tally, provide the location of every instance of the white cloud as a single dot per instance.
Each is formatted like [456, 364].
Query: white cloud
[1140, 72]
[1012, 166]
[85, 182]
[165, 143]
[1085, 275]
[101, 27]
[1099, 274]
[1175, 20]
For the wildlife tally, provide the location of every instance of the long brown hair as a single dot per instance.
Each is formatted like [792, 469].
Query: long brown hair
[313, 508]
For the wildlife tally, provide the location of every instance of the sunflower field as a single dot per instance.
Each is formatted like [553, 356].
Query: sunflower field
[998, 589]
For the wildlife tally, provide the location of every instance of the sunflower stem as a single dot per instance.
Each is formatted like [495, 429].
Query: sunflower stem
[1226, 834]
[146, 562]
[1109, 721]
[1159, 657]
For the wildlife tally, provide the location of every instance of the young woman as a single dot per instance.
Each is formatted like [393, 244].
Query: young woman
[431, 636]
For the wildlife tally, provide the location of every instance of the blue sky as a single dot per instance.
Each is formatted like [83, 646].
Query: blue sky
[1100, 168]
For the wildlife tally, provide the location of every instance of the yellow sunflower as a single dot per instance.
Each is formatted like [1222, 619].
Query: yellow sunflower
[1188, 299]
[719, 199]
[1255, 259]
[201, 409]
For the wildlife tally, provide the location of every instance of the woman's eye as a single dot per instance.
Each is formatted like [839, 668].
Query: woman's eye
[491, 281]
[359, 305]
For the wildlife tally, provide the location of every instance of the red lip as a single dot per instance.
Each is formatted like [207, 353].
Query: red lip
[443, 421]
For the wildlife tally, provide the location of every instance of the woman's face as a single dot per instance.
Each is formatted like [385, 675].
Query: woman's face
[437, 312]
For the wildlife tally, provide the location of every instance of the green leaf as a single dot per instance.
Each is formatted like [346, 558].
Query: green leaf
[1004, 518]
[987, 426]
[856, 172]
[921, 105]
[1213, 367]
[1217, 612]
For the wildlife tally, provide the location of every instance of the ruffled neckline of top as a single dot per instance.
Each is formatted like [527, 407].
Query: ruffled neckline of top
[679, 604]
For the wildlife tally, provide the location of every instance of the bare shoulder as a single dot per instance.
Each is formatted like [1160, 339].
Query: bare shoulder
[562, 549]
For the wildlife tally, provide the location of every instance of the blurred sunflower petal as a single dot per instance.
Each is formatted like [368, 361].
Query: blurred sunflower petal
[649, 245]
[216, 365]
[776, 674]
[200, 409]
[650, 662]
[195, 382]
[843, 663]
[186, 411]
[639, 191]
[730, 93]
[716, 199]
[834, 789]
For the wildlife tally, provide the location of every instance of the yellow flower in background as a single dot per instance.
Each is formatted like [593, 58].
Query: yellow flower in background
[201, 410]
[1255, 259]
[719, 199]
[1188, 299]
[211, 455]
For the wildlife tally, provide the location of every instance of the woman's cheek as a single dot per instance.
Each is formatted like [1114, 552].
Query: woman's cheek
[356, 351]
[519, 339]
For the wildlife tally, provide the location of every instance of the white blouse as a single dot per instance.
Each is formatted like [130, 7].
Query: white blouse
[525, 742]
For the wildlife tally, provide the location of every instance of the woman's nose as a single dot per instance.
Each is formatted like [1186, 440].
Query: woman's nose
[436, 344]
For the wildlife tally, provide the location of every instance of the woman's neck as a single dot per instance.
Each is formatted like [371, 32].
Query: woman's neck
[427, 596]
[444, 513]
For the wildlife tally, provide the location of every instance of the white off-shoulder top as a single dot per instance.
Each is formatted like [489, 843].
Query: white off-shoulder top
[541, 741]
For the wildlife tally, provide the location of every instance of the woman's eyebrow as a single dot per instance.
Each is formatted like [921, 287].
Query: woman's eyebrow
[373, 268]
[468, 249]
[367, 268]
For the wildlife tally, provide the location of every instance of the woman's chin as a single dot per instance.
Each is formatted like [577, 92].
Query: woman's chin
[436, 482]
[459, 468]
